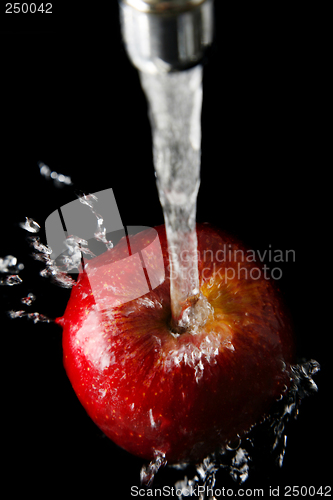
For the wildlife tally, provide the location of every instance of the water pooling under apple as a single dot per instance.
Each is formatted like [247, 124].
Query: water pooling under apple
[175, 101]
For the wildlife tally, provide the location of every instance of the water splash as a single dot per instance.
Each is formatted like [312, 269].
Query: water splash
[42, 253]
[175, 101]
[30, 225]
[10, 266]
[87, 199]
[12, 279]
[58, 179]
[75, 246]
[29, 299]
[236, 459]
[100, 234]
[40, 247]
[302, 385]
[36, 317]
[148, 472]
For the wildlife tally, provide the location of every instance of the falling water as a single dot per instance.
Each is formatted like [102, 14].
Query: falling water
[175, 101]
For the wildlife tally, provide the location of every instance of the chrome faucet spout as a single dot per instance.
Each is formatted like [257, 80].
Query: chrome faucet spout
[166, 35]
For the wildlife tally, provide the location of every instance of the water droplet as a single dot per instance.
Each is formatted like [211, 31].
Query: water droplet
[282, 452]
[44, 169]
[40, 247]
[86, 251]
[59, 179]
[39, 318]
[36, 317]
[234, 445]
[11, 280]
[29, 299]
[10, 261]
[240, 466]
[51, 270]
[100, 235]
[16, 314]
[88, 199]
[187, 488]
[63, 280]
[45, 273]
[148, 472]
[9, 264]
[302, 376]
[207, 467]
[30, 225]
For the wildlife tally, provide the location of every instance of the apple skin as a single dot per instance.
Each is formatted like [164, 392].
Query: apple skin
[152, 392]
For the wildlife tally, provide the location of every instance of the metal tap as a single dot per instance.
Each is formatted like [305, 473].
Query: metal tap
[166, 35]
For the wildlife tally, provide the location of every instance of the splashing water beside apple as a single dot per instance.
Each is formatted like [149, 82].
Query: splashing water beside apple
[237, 458]
[71, 258]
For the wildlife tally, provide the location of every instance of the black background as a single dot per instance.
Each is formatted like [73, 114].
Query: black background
[70, 98]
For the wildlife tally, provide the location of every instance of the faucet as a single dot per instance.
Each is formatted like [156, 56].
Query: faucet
[163, 36]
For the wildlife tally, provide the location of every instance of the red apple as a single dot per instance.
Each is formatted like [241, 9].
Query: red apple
[183, 395]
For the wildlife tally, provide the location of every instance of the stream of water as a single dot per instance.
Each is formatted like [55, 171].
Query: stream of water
[175, 101]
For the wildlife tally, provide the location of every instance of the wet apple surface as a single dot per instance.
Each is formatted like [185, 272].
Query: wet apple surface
[183, 395]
